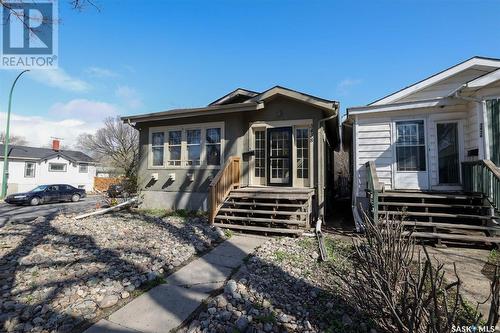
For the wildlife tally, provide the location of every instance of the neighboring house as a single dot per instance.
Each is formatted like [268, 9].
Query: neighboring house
[271, 148]
[418, 138]
[30, 167]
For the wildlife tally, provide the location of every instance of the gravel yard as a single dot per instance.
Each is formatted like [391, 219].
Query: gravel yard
[59, 274]
[283, 288]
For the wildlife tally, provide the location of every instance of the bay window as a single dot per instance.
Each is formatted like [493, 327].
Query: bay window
[189, 146]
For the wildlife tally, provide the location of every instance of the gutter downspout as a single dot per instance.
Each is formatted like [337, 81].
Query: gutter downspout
[320, 173]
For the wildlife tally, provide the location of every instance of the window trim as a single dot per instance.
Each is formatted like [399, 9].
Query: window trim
[52, 163]
[151, 148]
[183, 128]
[25, 169]
[424, 145]
[80, 166]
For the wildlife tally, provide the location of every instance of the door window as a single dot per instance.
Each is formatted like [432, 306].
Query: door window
[279, 155]
[449, 168]
[410, 146]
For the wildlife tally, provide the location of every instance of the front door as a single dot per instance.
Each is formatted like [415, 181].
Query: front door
[411, 162]
[279, 156]
[448, 153]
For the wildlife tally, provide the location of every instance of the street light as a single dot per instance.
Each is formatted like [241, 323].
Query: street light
[6, 143]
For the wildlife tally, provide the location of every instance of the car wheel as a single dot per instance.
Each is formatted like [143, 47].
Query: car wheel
[34, 201]
[75, 198]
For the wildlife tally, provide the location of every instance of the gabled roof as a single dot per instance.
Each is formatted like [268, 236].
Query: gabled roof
[236, 96]
[477, 66]
[227, 104]
[25, 152]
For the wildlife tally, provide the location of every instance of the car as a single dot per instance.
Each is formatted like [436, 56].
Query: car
[47, 194]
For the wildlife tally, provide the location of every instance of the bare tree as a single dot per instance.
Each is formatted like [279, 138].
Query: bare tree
[117, 143]
[16, 140]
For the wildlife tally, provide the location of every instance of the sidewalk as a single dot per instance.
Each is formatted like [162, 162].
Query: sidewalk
[166, 306]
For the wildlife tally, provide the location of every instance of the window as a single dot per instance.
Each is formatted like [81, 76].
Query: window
[193, 142]
[260, 153]
[174, 148]
[83, 168]
[57, 167]
[29, 170]
[213, 146]
[410, 146]
[187, 147]
[158, 140]
[302, 143]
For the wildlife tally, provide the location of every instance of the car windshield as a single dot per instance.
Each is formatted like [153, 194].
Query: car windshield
[39, 188]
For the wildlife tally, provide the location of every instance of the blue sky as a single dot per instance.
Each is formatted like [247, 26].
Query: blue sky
[129, 58]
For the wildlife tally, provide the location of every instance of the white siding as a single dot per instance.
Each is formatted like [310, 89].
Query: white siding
[373, 141]
[18, 183]
[471, 131]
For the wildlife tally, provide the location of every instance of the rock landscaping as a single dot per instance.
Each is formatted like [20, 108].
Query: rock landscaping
[59, 274]
[284, 288]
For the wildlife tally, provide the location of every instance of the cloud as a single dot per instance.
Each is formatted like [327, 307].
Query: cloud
[129, 97]
[58, 78]
[84, 109]
[344, 86]
[39, 130]
[101, 72]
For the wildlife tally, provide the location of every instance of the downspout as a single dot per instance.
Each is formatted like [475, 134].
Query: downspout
[321, 170]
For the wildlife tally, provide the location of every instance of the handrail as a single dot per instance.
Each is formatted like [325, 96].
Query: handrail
[482, 176]
[373, 187]
[227, 179]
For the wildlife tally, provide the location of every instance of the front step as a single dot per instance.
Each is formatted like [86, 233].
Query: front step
[266, 210]
[454, 217]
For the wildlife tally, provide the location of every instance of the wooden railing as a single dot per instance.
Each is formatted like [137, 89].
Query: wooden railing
[482, 176]
[227, 179]
[373, 187]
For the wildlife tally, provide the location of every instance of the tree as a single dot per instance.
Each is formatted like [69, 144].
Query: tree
[16, 140]
[117, 143]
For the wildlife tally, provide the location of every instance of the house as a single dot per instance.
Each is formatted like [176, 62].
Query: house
[31, 166]
[430, 150]
[254, 160]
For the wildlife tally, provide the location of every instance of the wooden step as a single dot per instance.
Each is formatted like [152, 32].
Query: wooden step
[269, 195]
[455, 237]
[259, 220]
[448, 226]
[427, 195]
[430, 205]
[264, 204]
[259, 229]
[258, 211]
[425, 214]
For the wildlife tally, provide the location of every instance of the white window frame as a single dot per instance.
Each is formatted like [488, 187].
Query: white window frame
[151, 148]
[53, 163]
[26, 169]
[183, 128]
[167, 144]
[80, 165]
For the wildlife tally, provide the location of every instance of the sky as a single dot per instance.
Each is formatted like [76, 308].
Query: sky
[133, 57]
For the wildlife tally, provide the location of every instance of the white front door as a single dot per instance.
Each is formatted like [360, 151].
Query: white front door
[411, 155]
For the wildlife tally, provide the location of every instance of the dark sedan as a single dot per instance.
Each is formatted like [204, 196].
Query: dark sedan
[46, 194]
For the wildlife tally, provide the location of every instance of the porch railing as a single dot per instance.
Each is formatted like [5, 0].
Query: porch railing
[373, 187]
[482, 176]
[227, 179]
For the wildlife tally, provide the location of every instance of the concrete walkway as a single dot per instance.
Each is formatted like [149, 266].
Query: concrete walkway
[166, 306]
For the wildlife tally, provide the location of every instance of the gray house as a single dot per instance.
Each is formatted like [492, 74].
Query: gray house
[253, 160]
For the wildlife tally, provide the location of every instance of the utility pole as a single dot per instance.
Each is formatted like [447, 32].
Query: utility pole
[6, 143]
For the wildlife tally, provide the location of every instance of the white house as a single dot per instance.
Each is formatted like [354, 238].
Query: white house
[30, 167]
[418, 138]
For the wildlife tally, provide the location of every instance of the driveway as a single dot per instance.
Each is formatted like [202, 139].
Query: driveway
[12, 212]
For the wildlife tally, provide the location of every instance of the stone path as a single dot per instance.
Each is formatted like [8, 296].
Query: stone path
[166, 306]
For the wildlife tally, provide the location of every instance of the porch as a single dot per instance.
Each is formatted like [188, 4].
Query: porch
[262, 209]
[467, 216]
